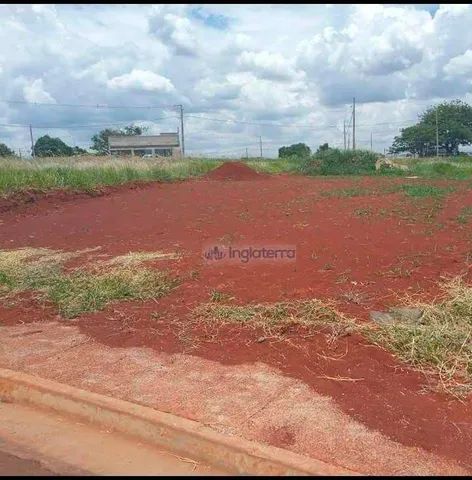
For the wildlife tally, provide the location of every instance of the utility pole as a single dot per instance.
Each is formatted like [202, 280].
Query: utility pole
[32, 142]
[354, 123]
[371, 141]
[260, 144]
[247, 155]
[344, 134]
[182, 136]
[437, 134]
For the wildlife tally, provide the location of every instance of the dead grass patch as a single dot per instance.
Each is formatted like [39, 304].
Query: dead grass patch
[276, 317]
[136, 258]
[440, 343]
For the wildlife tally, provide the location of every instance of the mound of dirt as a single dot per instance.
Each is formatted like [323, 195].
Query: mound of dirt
[234, 171]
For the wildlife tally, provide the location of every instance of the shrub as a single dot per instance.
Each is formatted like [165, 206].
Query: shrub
[442, 168]
[333, 161]
[392, 171]
[297, 149]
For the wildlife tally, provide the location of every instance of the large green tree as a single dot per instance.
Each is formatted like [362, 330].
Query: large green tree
[5, 151]
[100, 139]
[47, 146]
[297, 149]
[454, 121]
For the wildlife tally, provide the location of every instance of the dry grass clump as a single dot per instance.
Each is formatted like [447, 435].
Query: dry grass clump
[311, 314]
[440, 343]
[30, 268]
[136, 258]
[83, 289]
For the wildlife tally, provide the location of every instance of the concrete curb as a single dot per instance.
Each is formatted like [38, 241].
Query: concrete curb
[176, 434]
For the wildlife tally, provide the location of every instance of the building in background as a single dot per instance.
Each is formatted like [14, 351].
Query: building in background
[162, 145]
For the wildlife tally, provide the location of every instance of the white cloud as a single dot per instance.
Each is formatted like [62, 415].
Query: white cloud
[460, 65]
[376, 40]
[175, 32]
[35, 92]
[267, 65]
[141, 80]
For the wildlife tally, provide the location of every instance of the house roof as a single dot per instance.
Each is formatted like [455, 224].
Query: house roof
[144, 141]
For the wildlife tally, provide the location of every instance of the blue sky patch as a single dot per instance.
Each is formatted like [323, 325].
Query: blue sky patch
[213, 20]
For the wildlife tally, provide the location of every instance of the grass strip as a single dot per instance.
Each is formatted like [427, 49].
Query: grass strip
[92, 172]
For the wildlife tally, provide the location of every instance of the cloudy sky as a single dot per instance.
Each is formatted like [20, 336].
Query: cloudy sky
[287, 73]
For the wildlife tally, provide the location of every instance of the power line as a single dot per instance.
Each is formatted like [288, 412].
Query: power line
[222, 120]
[82, 105]
[62, 127]
[95, 125]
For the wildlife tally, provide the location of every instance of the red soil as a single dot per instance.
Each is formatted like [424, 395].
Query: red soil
[234, 171]
[26, 199]
[374, 246]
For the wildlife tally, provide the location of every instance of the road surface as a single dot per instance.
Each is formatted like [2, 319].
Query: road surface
[12, 465]
[40, 442]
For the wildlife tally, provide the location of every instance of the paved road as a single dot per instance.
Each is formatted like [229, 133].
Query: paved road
[37, 442]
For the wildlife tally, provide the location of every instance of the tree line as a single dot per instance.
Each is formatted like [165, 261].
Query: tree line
[443, 128]
[47, 146]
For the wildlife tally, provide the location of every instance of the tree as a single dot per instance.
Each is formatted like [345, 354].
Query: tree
[323, 148]
[298, 150]
[454, 120]
[5, 151]
[418, 139]
[100, 139]
[47, 146]
[79, 151]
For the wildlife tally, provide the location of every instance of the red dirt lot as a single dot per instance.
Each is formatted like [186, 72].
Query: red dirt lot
[368, 247]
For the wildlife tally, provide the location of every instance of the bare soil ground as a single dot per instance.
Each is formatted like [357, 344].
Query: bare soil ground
[360, 249]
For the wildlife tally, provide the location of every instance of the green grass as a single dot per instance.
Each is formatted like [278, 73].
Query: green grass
[360, 191]
[347, 192]
[458, 168]
[82, 291]
[464, 215]
[91, 172]
[424, 190]
[217, 296]
[41, 271]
